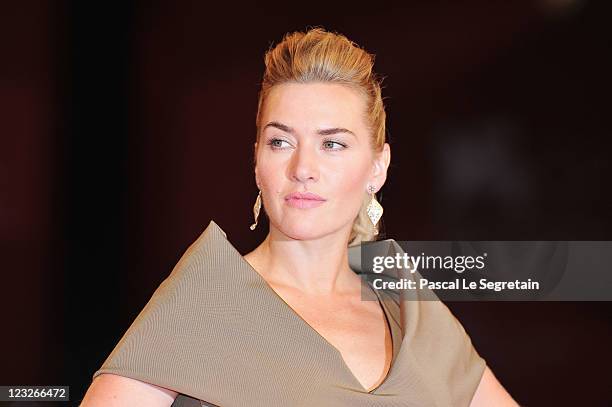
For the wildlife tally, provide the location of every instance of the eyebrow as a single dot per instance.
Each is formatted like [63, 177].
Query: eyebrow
[322, 132]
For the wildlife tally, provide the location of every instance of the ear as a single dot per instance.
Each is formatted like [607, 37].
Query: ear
[380, 166]
[255, 164]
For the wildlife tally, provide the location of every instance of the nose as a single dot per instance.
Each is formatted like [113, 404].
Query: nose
[304, 165]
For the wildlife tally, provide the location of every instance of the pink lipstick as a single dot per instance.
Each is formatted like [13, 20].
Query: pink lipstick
[304, 200]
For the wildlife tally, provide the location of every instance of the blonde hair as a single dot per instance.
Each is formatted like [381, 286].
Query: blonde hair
[322, 56]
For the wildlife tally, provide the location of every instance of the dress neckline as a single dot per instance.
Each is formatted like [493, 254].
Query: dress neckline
[294, 315]
[328, 345]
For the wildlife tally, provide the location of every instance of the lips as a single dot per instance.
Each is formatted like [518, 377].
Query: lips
[304, 195]
[304, 200]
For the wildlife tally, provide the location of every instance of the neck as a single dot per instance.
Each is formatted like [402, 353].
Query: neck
[315, 267]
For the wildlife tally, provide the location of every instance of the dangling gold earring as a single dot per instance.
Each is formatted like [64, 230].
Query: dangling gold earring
[256, 209]
[374, 209]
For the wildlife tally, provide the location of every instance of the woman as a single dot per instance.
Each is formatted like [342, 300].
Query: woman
[285, 325]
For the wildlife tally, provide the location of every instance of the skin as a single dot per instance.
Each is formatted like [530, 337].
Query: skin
[109, 390]
[304, 258]
[337, 167]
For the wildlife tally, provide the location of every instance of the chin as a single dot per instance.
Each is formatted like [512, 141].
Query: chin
[307, 229]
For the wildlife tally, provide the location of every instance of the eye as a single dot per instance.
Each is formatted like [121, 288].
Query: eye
[329, 144]
[277, 143]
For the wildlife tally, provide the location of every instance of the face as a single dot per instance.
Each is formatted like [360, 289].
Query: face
[315, 159]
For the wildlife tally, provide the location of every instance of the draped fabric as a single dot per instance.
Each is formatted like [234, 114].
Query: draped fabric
[218, 334]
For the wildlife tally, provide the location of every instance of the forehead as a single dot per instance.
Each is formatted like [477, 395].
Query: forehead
[316, 104]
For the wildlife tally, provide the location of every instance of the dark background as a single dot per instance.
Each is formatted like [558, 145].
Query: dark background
[127, 127]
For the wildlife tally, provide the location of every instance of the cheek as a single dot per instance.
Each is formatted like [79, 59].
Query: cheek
[351, 182]
[271, 180]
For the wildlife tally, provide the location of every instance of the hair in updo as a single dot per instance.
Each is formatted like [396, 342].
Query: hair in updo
[322, 56]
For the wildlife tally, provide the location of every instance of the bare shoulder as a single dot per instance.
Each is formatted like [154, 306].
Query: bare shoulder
[111, 390]
[490, 392]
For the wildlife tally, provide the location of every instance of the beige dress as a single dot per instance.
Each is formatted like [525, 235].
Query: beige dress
[218, 334]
